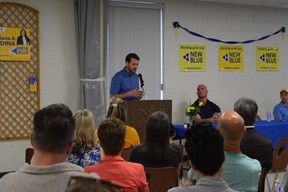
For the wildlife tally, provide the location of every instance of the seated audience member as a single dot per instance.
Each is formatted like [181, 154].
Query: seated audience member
[204, 146]
[239, 171]
[85, 151]
[209, 111]
[253, 144]
[113, 167]
[85, 184]
[52, 138]
[118, 109]
[281, 110]
[156, 150]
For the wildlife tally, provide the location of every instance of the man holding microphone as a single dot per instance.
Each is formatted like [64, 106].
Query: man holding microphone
[125, 83]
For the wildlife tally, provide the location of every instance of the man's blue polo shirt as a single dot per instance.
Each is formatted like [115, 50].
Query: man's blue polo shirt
[123, 82]
[281, 112]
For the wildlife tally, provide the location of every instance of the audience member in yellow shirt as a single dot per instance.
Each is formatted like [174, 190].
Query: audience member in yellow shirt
[118, 109]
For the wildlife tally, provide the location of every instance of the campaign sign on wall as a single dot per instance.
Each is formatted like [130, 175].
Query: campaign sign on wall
[14, 44]
[267, 58]
[192, 58]
[231, 58]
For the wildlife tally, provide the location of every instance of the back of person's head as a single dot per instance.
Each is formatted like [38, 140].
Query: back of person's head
[86, 184]
[53, 128]
[118, 109]
[156, 146]
[247, 109]
[205, 149]
[158, 129]
[111, 134]
[85, 128]
[130, 56]
[231, 125]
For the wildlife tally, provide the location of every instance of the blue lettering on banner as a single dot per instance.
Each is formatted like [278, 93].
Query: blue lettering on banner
[22, 50]
[234, 60]
[196, 54]
[234, 54]
[196, 57]
[271, 58]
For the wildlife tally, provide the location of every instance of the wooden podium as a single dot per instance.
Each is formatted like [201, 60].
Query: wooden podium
[140, 110]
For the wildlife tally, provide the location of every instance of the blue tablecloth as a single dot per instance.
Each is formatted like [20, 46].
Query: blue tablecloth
[274, 130]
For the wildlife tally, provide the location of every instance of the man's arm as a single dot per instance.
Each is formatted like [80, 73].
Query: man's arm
[133, 93]
[197, 118]
[115, 88]
[142, 181]
[276, 113]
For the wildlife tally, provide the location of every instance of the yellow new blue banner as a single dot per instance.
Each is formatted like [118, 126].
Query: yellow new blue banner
[14, 44]
[231, 58]
[192, 57]
[267, 58]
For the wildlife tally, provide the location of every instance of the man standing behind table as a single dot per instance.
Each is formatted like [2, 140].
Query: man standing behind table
[125, 83]
[209, 111]
[281, 110]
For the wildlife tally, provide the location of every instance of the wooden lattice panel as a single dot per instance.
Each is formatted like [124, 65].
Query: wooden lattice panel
[17, 103]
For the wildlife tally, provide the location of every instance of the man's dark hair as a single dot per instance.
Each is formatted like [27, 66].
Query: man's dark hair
[111, 134]
[247, 109]
[205, 149]
[53, 128]
[130, 56]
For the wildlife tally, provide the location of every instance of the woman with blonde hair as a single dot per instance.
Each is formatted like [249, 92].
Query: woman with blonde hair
[85, 151]
[118, 109]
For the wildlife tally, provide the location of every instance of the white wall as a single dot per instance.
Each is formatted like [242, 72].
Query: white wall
[58, 68]
[226, 22]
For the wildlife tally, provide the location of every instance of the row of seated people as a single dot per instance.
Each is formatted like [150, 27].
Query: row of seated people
[247, 108]
[253, 144]
[157, 126]
[86, 150]
[53, 138]
[54, 125]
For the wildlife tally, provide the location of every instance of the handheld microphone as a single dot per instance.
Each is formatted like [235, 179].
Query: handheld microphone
[142, 83]
[141, 79]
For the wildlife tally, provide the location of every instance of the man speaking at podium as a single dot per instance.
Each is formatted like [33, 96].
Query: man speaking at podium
[125, 83]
